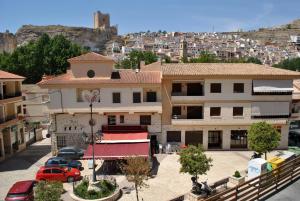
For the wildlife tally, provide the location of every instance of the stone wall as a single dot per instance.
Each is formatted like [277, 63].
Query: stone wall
[8, 42]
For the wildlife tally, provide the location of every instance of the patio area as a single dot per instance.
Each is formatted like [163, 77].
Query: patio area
[169, 183]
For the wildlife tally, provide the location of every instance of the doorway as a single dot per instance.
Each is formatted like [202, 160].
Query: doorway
[214, 139]
[153, 144]
[194, 112]
[193, 138]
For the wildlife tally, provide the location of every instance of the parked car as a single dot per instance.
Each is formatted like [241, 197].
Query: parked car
[21, 191]
[61, 162]
[58, 174]
[70, 153]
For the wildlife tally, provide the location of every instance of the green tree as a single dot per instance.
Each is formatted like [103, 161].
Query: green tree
[137, 170]
[43, 56]
[50, 191]
[263, 137]
[289, 64]
[134, 59]
[253, 60]
[194, 161]
[205, 57]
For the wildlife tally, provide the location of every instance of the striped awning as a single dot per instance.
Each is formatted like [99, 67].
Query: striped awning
[270, 108]
[265, 86]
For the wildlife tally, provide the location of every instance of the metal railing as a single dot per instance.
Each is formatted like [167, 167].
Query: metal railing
[185, 117]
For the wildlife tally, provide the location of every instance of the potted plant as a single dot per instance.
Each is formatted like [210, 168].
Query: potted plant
[237, 178]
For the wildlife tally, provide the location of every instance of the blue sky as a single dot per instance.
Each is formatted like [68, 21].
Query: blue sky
[143, 15]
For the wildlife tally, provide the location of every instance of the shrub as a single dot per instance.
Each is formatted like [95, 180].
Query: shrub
[237, 174]
[106, 187]
[50, 191]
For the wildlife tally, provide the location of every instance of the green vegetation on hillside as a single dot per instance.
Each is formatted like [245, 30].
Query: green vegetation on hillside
[44, 56]
[290, 64]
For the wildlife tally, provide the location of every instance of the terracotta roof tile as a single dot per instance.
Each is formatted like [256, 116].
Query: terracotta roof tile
[7, 75]
[126, 77]
[91, 56]
[230, 69]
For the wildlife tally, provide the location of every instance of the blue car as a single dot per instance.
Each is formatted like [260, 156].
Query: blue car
[59, 161]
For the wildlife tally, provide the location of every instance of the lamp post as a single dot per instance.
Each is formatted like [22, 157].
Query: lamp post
[92, 96]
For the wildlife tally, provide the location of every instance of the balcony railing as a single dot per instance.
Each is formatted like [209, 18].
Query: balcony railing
[186, 117]
[186, 94]
[8, 118]
[6, 96]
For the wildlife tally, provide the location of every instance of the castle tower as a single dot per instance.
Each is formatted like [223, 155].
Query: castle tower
[183, 50]
[101, 20]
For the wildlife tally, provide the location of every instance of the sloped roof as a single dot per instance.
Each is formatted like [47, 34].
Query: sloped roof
[90, 56]
[225, 69]
[126, 77]
[7, 75]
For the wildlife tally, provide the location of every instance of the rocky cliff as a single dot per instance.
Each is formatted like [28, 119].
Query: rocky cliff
[279, 35]
[85, 37]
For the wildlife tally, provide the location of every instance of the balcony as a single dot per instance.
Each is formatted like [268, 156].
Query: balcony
[4, 97]
[8, 120]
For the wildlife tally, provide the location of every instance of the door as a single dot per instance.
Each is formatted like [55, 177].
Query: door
[58, 174]
[151, 96]
[194, 89]
[215, 139]
[193, 138]
[194, 112]
[154, 144]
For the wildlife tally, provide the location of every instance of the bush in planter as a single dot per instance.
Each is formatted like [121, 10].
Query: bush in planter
[106, 187]
[237, 174]
[50, 191]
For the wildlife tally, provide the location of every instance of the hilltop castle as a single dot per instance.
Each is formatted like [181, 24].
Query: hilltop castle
[102, 22]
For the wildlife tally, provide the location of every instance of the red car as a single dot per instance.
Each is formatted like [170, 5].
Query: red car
[58, 174]
[21, 191]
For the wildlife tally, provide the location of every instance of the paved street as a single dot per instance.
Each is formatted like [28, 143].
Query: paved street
[290, 193]
[24, 165]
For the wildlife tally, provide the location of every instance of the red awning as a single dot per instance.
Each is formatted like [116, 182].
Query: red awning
[124, 136]
[112, 151]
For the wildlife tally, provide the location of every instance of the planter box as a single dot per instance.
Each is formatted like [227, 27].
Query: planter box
[236, 181]
[192, 197]
[115, 196]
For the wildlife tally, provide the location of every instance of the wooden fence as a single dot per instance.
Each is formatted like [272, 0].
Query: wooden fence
[262, 186]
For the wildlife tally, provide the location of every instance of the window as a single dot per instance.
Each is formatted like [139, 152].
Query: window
[238, 88]
[116, 97]
[90, 73]
[111, 120]
[136, 97]
[19, 109]
[151, 96]
[215, 88]
[215, 111]
[45, 98]
[57, 171]
[145, 120]
[176, 88]
[173, 136]
[47, 171]
[61, 141]
[238, 111]
[122, 119]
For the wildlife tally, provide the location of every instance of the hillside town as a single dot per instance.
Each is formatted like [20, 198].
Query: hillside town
[225, 46]
[78, 125]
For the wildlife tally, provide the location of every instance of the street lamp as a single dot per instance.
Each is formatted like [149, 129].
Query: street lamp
[91, 97]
